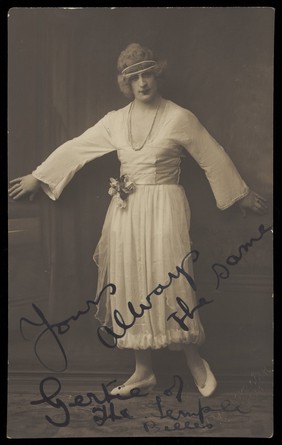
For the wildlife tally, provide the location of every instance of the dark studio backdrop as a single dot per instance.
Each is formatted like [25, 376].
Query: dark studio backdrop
[62, 80]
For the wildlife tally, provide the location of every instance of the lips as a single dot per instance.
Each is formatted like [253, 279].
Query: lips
[144, 91]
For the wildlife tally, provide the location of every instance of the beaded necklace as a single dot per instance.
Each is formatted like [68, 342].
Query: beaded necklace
[130, 132]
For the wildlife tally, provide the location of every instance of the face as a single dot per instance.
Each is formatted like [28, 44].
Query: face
[144, 86]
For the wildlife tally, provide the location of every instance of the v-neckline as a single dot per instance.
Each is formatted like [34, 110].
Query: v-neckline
[157, 126]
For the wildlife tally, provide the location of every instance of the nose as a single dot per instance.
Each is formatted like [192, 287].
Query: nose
[142, 80]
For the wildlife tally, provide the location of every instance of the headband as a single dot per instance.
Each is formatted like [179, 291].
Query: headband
[152, 62]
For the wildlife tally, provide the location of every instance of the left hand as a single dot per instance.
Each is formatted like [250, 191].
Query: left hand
[253, 201]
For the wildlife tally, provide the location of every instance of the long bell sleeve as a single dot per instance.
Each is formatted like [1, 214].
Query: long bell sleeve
[62, 164]
[226, 183]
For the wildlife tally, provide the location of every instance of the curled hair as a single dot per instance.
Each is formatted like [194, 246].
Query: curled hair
[135, 53]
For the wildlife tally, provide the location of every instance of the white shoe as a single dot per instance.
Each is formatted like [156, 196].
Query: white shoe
[144, 386]
[211, 383]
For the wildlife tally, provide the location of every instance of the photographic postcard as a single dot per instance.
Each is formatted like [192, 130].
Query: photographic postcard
[155, 213]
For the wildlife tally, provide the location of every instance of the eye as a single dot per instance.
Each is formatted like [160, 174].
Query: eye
[133, 77]
[148, 75]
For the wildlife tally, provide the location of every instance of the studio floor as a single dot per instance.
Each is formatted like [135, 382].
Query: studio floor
[80, 406]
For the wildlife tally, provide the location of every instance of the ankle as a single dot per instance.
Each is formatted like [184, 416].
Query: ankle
[143, 373]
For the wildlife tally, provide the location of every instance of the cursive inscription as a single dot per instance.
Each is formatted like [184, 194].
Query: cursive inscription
[55, 330]
[221, 271]
[186, 310]
[196, 417]
[105, 334]
[180, 270]
[177, 384]
[103, 412]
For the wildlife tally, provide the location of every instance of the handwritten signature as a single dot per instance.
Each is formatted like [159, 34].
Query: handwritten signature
[57, 329]
[178, 415]
[104, 409]
[107, 411]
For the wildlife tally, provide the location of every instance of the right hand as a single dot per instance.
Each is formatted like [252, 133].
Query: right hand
[22, 186]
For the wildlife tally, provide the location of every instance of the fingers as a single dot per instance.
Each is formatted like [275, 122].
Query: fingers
[18, 194]
[256, 197]
[16, 186]
[17, 191]
[16, 180]
[261, 209]
[259, 197]
[14, 192]
[260, 202]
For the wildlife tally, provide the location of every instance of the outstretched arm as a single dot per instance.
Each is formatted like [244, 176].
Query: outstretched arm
[61, 165]
[22, 186]
[227, 185]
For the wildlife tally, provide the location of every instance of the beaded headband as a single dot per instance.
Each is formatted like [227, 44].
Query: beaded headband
[152, 62]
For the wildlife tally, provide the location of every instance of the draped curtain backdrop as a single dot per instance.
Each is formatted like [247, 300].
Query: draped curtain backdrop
[62, 79]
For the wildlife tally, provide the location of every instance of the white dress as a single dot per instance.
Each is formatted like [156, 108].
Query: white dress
[145, 241]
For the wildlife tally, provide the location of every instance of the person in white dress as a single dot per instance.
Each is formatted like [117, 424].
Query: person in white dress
[144, 256]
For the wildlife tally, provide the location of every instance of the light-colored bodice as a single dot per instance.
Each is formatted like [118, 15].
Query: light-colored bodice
[158, 162]
[158, 165]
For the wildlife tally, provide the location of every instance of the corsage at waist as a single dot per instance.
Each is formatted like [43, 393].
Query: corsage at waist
[120, 189]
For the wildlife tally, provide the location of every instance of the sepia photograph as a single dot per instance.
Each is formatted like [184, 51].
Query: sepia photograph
[140, 212]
